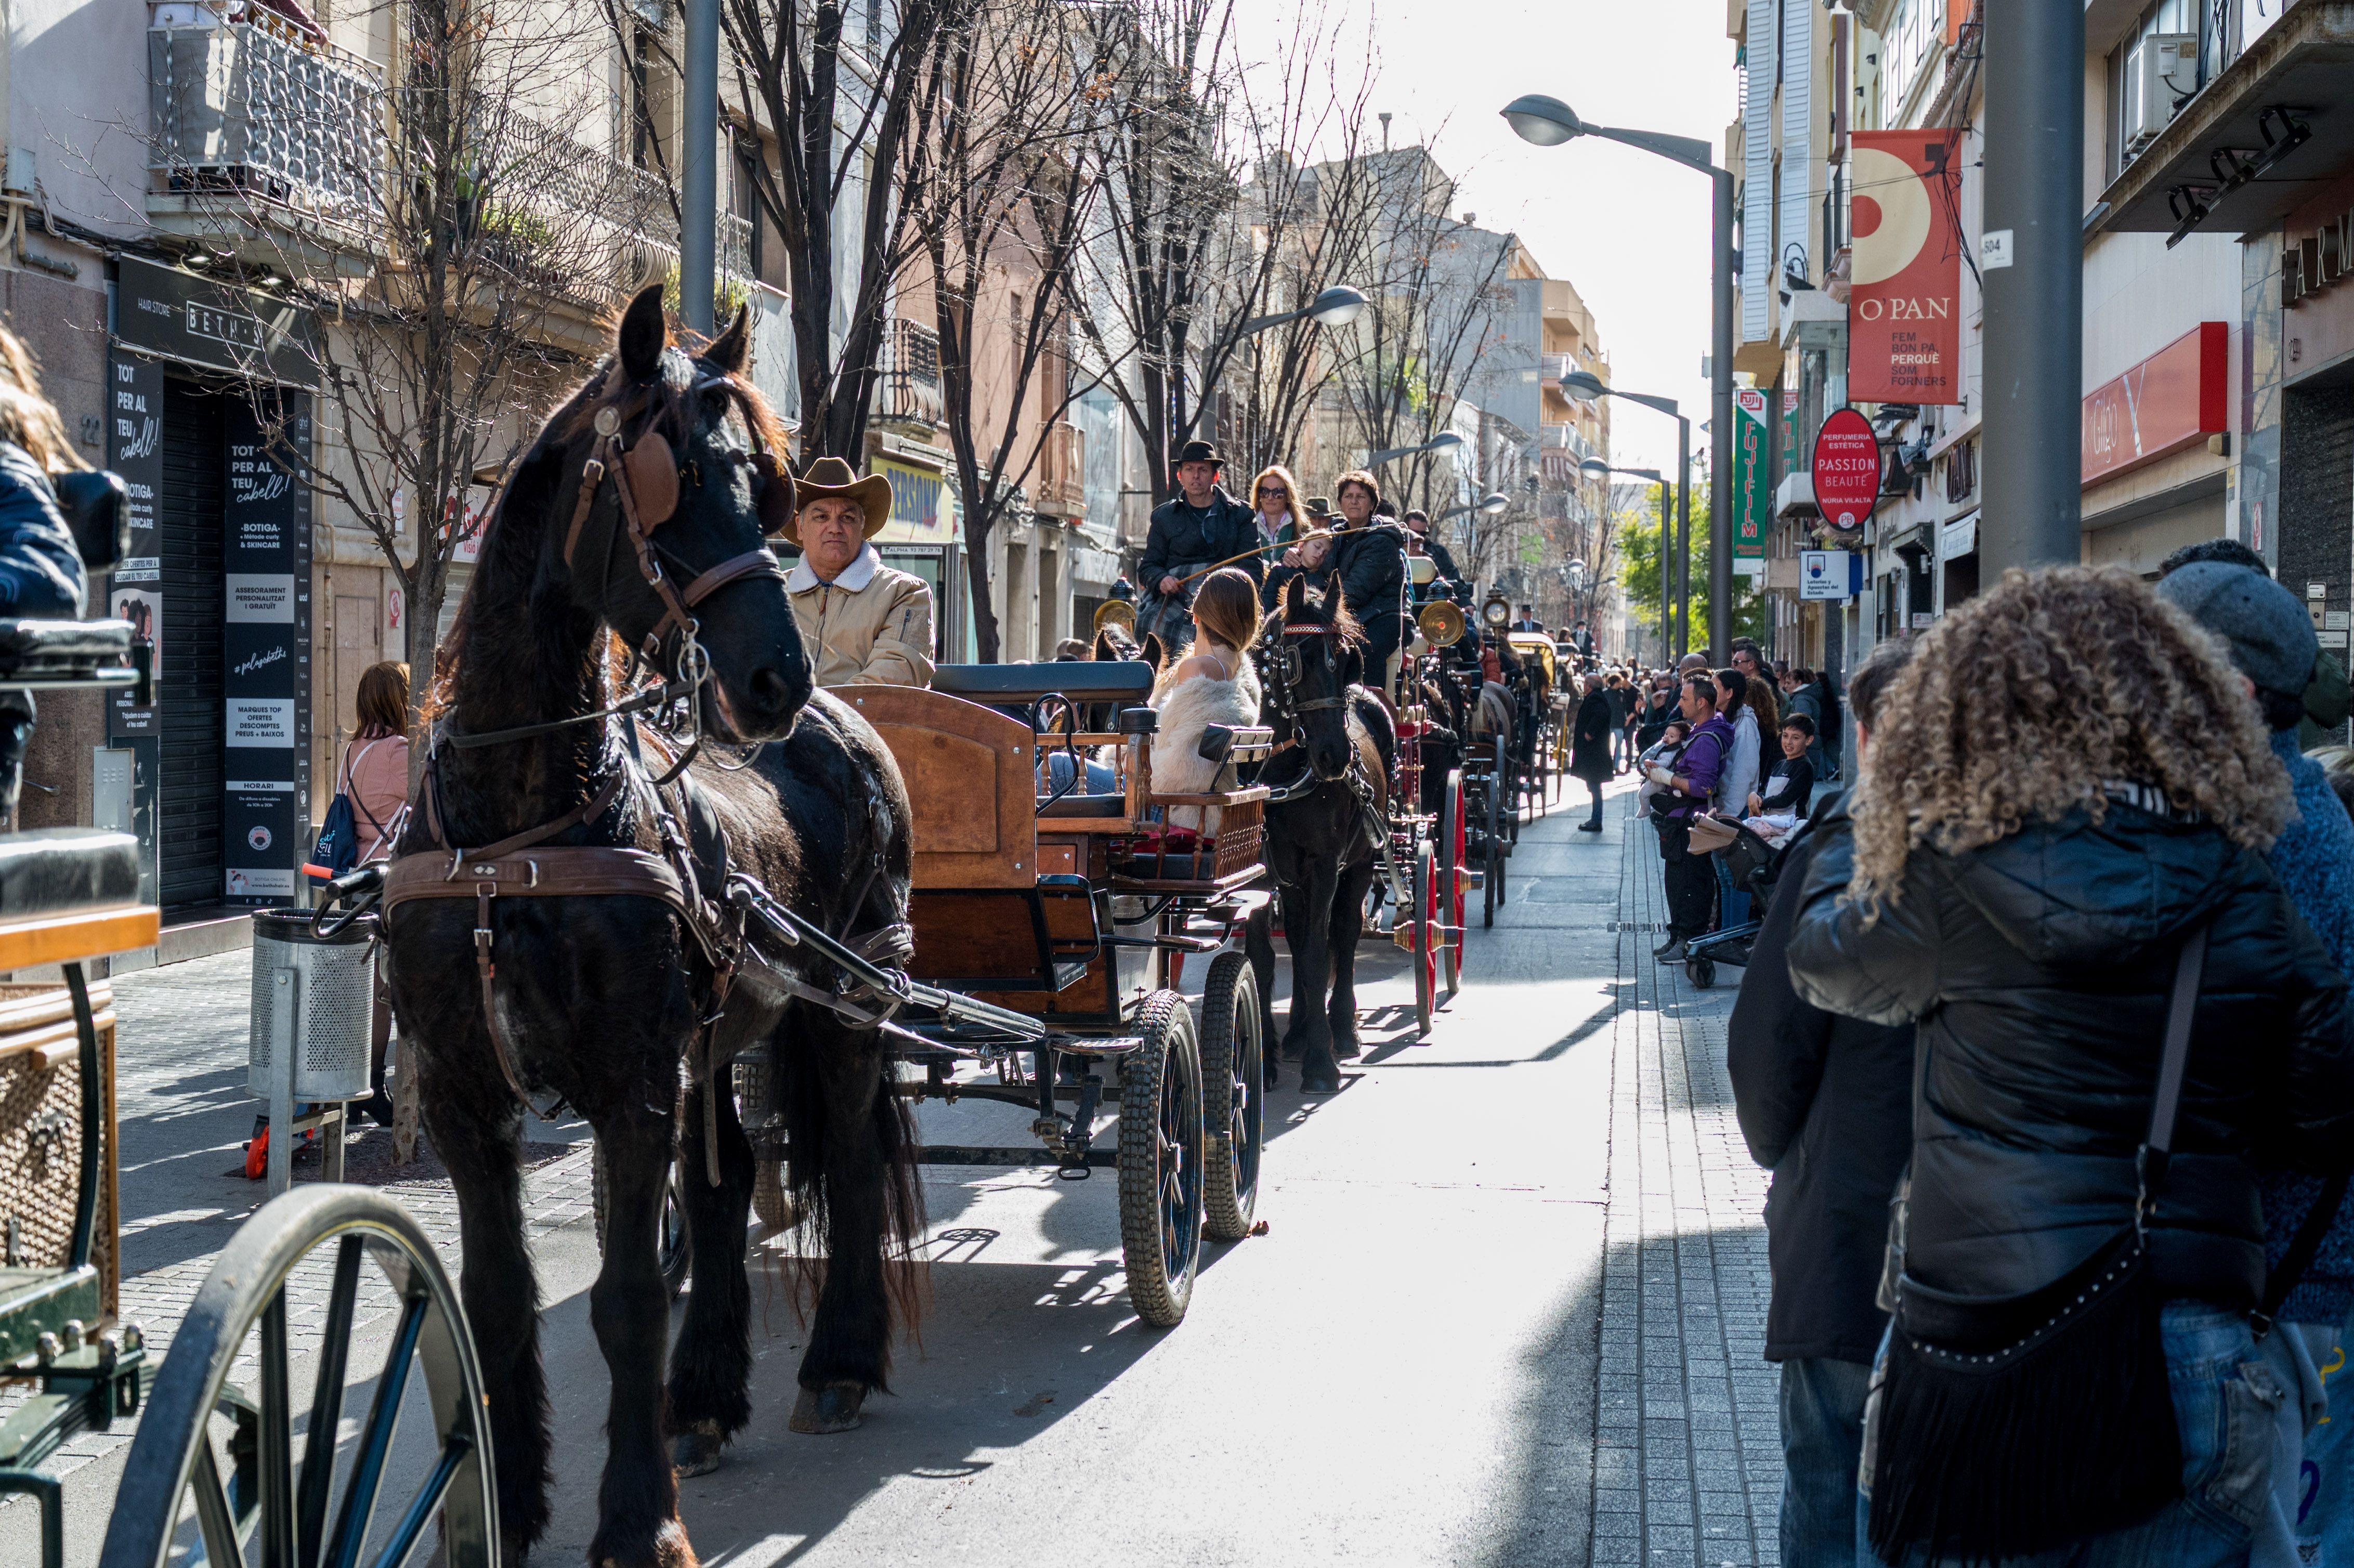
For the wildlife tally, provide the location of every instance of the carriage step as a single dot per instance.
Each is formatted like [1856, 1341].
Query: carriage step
[982, 1154]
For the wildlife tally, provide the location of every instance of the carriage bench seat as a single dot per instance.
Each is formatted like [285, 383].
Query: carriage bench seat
[58, 871]
[1127, 683]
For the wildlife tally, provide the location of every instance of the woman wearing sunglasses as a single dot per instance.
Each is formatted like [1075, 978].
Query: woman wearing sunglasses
[1274, 501]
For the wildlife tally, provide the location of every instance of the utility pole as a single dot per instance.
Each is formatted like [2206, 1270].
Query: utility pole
[2033, 265]
[698, 235]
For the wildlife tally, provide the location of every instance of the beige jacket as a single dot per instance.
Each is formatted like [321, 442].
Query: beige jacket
[872, 624]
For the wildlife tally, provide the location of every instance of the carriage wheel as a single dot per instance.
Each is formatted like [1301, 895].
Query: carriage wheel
[1233, 1117]
[1160, 1162]
[675, 1251]
[213, 1476]
[1450, 882]
[1426, 940]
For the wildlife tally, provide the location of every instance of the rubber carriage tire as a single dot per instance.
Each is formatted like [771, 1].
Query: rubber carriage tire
[675, 1251]
[1234, 1124]
[1424, 950]
[1503, 824]
[174, 1450]
[1702, 972]
[1160, 1162]
[1491, 861]
[1450, 882]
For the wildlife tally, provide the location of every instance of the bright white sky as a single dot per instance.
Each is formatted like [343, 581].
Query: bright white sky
[1630, 229]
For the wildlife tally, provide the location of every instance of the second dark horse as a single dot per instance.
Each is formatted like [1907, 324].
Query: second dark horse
[602, 999]
[1325, 825]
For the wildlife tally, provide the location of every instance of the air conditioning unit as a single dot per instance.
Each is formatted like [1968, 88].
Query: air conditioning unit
[2161, 71]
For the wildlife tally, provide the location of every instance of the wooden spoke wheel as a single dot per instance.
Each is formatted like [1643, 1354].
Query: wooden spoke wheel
[214, 1476]
[1160, 1162]
[1233, 1115]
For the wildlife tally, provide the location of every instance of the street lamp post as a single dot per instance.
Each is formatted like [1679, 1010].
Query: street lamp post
[1676, 564]
[698, 229]
[1549, 123]
[1334, 307]
[1488, 505]
[1595, 467]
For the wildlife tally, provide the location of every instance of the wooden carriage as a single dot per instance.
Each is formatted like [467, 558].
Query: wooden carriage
[1074, 908]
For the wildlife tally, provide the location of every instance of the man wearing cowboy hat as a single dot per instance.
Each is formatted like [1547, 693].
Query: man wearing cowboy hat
[862, 622]
[1192, 531]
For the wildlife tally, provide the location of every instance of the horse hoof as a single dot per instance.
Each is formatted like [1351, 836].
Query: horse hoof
[667, 1548]
[1316, 1084]
[1345, 1050]
[833, 1408]
[695, 1452]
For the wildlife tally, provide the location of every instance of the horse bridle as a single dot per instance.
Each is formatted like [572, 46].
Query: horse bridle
[1281, 663]
[645, 475]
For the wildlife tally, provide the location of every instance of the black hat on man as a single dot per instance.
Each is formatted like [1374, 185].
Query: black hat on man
[1200, 451]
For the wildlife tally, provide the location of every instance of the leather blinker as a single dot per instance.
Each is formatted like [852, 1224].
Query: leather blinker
[653, 480]
[775, 488]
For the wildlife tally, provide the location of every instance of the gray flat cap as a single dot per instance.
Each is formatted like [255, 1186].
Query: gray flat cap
[2270, 635]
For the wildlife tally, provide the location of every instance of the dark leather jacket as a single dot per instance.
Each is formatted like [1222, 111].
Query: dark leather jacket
[41, 575]
[2038, 969]
[1371, 562]
[1184, 539]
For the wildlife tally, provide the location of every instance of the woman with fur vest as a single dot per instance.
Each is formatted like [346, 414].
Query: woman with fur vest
[1214, 684]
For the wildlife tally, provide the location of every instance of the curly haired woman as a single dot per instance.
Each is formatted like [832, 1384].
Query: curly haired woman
[2070, 793]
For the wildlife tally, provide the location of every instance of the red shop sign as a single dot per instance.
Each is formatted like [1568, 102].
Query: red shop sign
[1846, 469]
[2172, 400]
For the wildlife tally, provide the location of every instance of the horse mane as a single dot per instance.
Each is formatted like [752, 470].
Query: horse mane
[668, 392]
[1351, 630]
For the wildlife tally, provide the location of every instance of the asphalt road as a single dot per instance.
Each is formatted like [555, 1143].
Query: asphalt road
[1400, 1371]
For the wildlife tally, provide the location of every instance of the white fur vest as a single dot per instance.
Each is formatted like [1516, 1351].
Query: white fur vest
[1187, 709]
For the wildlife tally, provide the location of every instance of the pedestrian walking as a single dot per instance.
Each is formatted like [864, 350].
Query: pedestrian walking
[2271, 643]
[1589, 752]
[2117, 1010]
[1685, 787]
[1739, 779]
[374, 776]
[1823, 1104]
[1621, 696]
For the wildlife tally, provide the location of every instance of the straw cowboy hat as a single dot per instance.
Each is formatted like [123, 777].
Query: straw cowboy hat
[830, 477]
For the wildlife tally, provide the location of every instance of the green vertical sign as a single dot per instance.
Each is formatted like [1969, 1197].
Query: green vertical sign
[1753, 482]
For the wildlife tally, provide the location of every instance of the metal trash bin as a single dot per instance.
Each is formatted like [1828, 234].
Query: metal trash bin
[314, 996]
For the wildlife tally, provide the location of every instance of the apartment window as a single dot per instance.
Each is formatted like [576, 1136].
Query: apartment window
[1912, 31]
[746, 205]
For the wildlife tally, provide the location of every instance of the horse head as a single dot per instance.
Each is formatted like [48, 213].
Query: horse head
[664, 478]
[1304, 646]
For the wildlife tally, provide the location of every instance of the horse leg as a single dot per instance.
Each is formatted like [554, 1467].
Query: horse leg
[1258, 946]
[473, 1126]
[637, 1503]
[1311, 953]
[1296, 923]
[711, 1365]
[1348, 926]
[865, 1204]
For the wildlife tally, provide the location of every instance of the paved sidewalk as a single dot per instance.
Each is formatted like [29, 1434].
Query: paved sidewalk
[1687, 1458]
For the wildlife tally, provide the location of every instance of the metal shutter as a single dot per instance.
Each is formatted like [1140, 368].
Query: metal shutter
[189, 512]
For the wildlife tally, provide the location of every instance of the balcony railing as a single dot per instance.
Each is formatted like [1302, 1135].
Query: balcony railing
[1062, 473]
[908, 392]
[262, 109]
[1554, 366]
[1565, 438]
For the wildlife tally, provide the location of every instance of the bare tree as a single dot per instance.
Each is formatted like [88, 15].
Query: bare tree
[849, 116]
[1016, 93]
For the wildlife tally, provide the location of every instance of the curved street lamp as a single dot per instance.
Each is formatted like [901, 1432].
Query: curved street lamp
[1334, 307]
[1489, 505]
[1600, 469]
[1446, 441]
[1675, 566]
[1547, 121]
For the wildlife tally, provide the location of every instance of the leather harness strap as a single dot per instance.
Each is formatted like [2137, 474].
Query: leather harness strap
[751, 563]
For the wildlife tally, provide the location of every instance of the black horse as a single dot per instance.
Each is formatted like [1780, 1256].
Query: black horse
[603, 1001]
[1325, 821]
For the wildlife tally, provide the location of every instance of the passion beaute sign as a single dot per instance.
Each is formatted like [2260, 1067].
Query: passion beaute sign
[1846, 469]
[1904, 298]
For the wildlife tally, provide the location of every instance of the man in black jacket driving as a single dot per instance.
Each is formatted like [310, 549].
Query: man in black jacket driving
[1192, 531]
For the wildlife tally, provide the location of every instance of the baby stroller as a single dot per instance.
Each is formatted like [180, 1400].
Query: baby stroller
[1753, 863]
